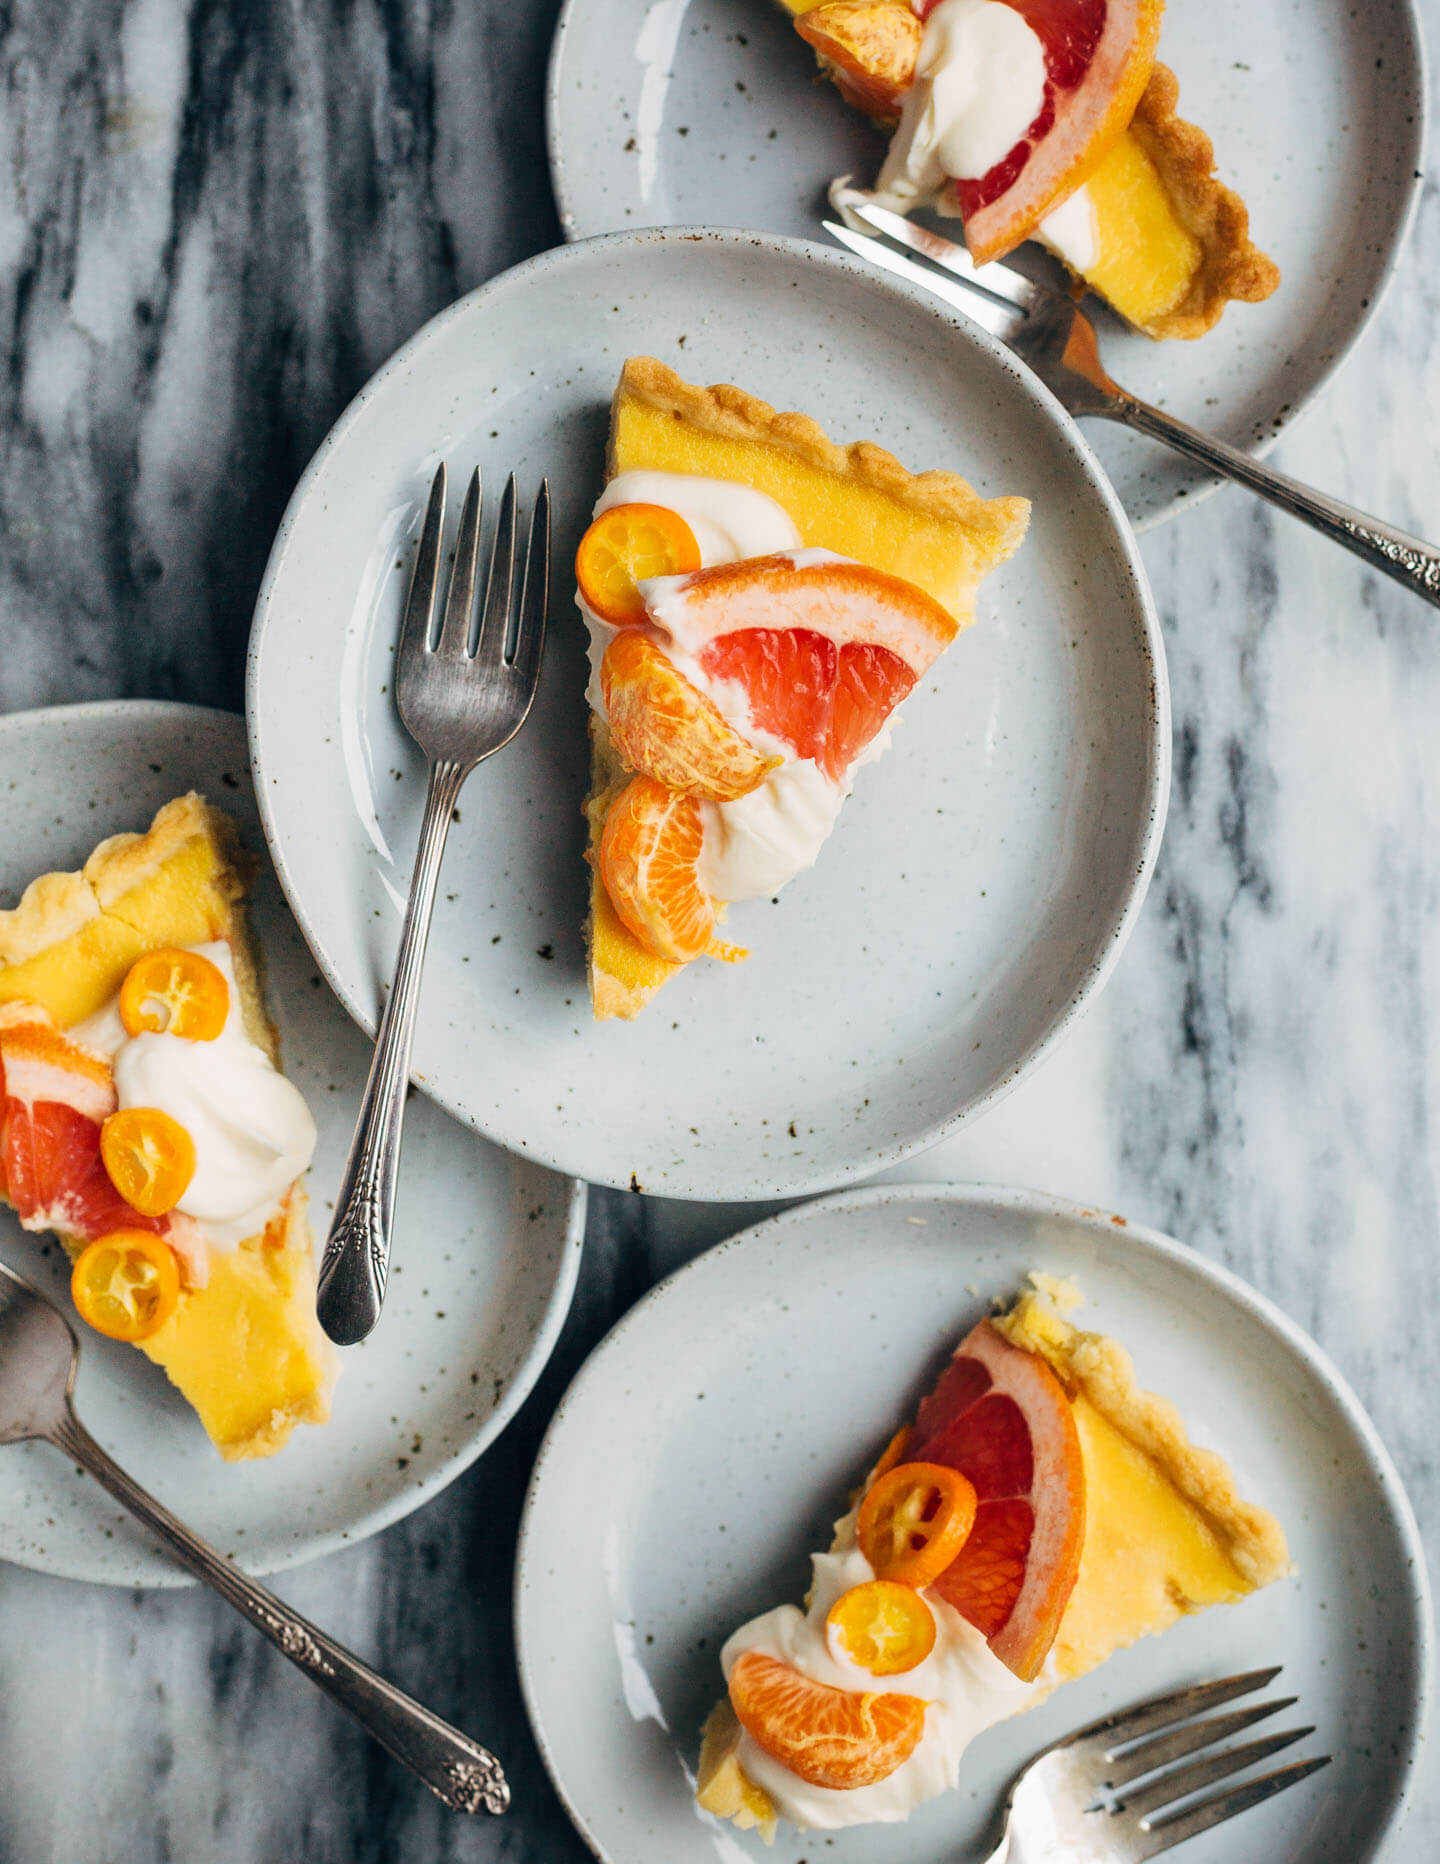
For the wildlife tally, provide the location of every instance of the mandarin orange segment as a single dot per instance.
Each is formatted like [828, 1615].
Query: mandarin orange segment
[173, 992]
[665, 727]
[150, 1158]
[831, 1737]
[870, 47]
[884, 1627]
[1001, 1417]
[914, 1520]
[648, 862]
[126, 1285]
[622, 548]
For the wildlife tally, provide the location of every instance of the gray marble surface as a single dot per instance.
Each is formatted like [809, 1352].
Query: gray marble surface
[215, 221]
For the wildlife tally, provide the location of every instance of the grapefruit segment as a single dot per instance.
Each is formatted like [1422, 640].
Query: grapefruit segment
[1098, 56]
[1001, 1417]
[666, 728]
[836, 1738]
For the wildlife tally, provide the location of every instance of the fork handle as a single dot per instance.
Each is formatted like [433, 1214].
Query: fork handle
[356, 1262]
[1408, 559]
[458, 1770]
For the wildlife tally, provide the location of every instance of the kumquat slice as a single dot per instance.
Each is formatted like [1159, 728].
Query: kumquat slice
[623, 547]
[175, 993]
[126, 1285]
[884, 1627]
[914, 1521]
[150, 1158]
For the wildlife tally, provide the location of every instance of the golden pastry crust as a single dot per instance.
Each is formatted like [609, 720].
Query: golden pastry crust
[1232, 266]
[1102, 1369]
[722, 1785]
[997, 524]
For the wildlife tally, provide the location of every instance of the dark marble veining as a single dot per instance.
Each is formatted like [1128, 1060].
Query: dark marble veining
[215, 221]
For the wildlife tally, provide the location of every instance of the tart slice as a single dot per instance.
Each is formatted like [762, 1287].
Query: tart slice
[1041, 1513]
[1102, 170]
[143, 1119]
[758, 600]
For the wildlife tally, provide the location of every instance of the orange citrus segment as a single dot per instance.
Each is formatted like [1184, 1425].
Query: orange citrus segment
[624, 546]
[178, 993]
[831, 1737]
[893, 1453]
[150, 1158]
[884, 1627]
[870, 47]
[648, 857]
[126, 1285]
[914, 1520]
[1001, 1418]
[666, 728]
[1098, 57]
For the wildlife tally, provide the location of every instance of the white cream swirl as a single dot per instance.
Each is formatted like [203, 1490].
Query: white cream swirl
[253, 1132]
[967, 1688]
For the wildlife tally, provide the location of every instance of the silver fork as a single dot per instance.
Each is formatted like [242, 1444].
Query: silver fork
[38, 1357]
[1048, 331]
[461, 704]
[1055, 1812]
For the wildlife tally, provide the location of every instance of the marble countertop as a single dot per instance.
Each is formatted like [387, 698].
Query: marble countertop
[214, 224]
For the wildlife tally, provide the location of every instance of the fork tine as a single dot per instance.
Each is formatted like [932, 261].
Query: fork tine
[993, 277]
[495, 620]
[965, 297]
[534, 594]
[1113, 1731]
[420, 602]
[460, 601]
[1165, 1748]
[1182, 1781]
[1211, 1812]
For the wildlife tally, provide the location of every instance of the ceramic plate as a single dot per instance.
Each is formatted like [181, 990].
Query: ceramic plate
[663, 111]
[984, 874]
[710, 1440]
[486, 1248]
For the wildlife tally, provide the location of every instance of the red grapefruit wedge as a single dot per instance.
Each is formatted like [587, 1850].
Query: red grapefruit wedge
[1001, 1417]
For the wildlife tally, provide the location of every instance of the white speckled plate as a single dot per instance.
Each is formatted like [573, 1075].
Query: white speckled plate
[983, 876]
[710, 1440]
[486, 1250]
[665, 111]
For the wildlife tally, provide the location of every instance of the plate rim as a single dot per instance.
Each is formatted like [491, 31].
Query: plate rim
[1150, 650]
[1284, 422]
[557, 1307]
[1107, 1227]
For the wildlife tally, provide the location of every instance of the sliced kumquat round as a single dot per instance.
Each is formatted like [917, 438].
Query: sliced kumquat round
[838, 1738]
[914, 1521]
[177, 993]
[649, 854]
[885, 1627]
[150, 1158]
[665, 727]
[893, 1453]
[623, 547]
[126, 1285]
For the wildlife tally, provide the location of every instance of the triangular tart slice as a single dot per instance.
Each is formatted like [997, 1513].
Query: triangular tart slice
[1085, 1518]
[144, 1120]
[758, 600]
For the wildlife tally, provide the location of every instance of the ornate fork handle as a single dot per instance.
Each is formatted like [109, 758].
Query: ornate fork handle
[1408, 559]
[356, 1262]
[458, 1770]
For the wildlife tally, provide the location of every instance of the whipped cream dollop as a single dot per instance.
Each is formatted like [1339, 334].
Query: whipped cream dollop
[966, 1686]
[253, 1132]
[753, 846]
[1071, 230]
[979, 85]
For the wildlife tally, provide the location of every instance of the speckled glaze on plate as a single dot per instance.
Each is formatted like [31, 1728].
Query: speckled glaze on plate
[486, 1251]
[708, 1443]
[983, 876]
[665, 111]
